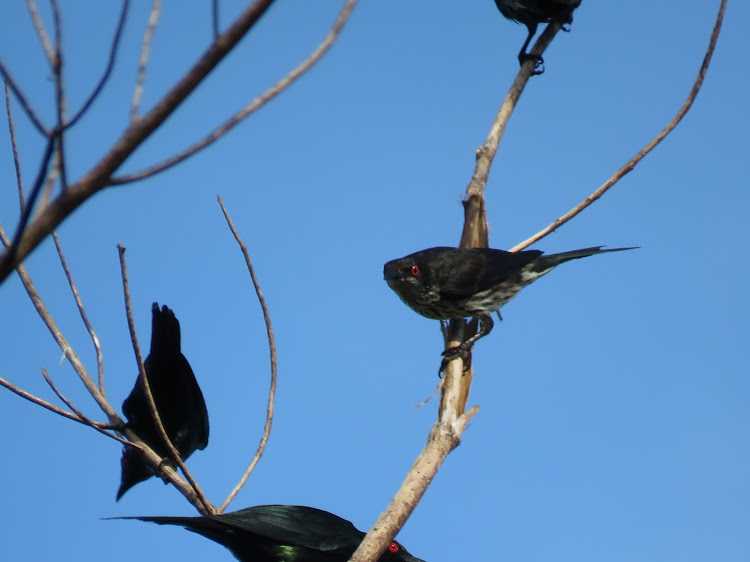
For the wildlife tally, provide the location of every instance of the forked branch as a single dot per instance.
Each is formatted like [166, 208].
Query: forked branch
[100, 175]
[253, 106]
[630, 165]
[452, 420]
[445, 434]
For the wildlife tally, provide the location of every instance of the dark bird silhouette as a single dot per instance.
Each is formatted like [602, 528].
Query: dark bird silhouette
[178, 399]
[533, 12]
[282, 533]
[450, 283]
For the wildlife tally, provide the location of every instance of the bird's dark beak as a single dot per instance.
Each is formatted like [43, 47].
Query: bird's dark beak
[390, 272]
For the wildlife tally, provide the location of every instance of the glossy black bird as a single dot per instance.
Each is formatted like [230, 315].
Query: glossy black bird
[533, 12]
[449, 283]
[178, 399]
[282, 533]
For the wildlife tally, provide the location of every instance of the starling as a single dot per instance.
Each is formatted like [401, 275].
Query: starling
[533, 12]
[282, 533]
[450, 283]
[178, 399]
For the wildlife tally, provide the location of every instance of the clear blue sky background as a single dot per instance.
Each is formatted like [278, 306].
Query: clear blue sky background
[614, 402]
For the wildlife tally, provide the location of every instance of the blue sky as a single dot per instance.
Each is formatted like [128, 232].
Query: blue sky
[614, 396]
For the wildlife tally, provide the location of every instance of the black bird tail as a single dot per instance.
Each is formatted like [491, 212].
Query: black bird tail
[206, 526]
[545, 263]
[133, 471]
[182, 521]
[165, 331]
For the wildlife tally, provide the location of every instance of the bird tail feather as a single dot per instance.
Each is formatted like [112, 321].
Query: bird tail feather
[547, 262]
[165, 331]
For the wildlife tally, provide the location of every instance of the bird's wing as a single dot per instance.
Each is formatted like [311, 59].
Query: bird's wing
[194, 403]
[480, 269]
[296, 525]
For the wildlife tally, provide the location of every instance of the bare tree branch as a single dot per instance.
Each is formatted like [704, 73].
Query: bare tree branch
[98, 177]
[57, 71]
[82, 417]
[107, 70]
[36, 19]
[14, 149]
[630, 165]
[452, 420]
[250, 108]
[148, 35]
[11, 252]
[82, 312]
[444, 437]
[215, 18]
[25, 394]
[207, 507]
[61, 341]
[53, 172]
[485, 154]
[272, 356]
[23, 100]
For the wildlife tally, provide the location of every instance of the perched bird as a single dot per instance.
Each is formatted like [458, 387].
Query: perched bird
[282, 533]
[178, 399]
[450, 283]
[533, 12]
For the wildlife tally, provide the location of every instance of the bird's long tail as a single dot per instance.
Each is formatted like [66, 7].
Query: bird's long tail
[166, 519]
[546, 262]
[165, 331]
[209, 527]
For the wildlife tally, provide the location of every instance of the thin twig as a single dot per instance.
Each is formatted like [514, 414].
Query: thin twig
[215, 18]
[630, 165]
[57, 71]
[23, 100]
[61, 341]
[14, 148]
[250, 108]
[148, 35]
[83, 418]
[53, 172]
[33, 195]
[99, 175]
[174, 454]
[272, 357]
[25, 394]
[485, 154]
[82, 312]
[107, 70]
[36, 20]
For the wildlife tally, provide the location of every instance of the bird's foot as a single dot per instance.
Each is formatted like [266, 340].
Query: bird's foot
[452, 353]
[538, 69]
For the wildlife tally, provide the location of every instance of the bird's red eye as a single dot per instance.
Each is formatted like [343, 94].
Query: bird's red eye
[414, 270]
[394, 547]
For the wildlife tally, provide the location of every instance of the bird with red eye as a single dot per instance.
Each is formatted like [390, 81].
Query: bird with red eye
[282, 533]
[445, 283]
